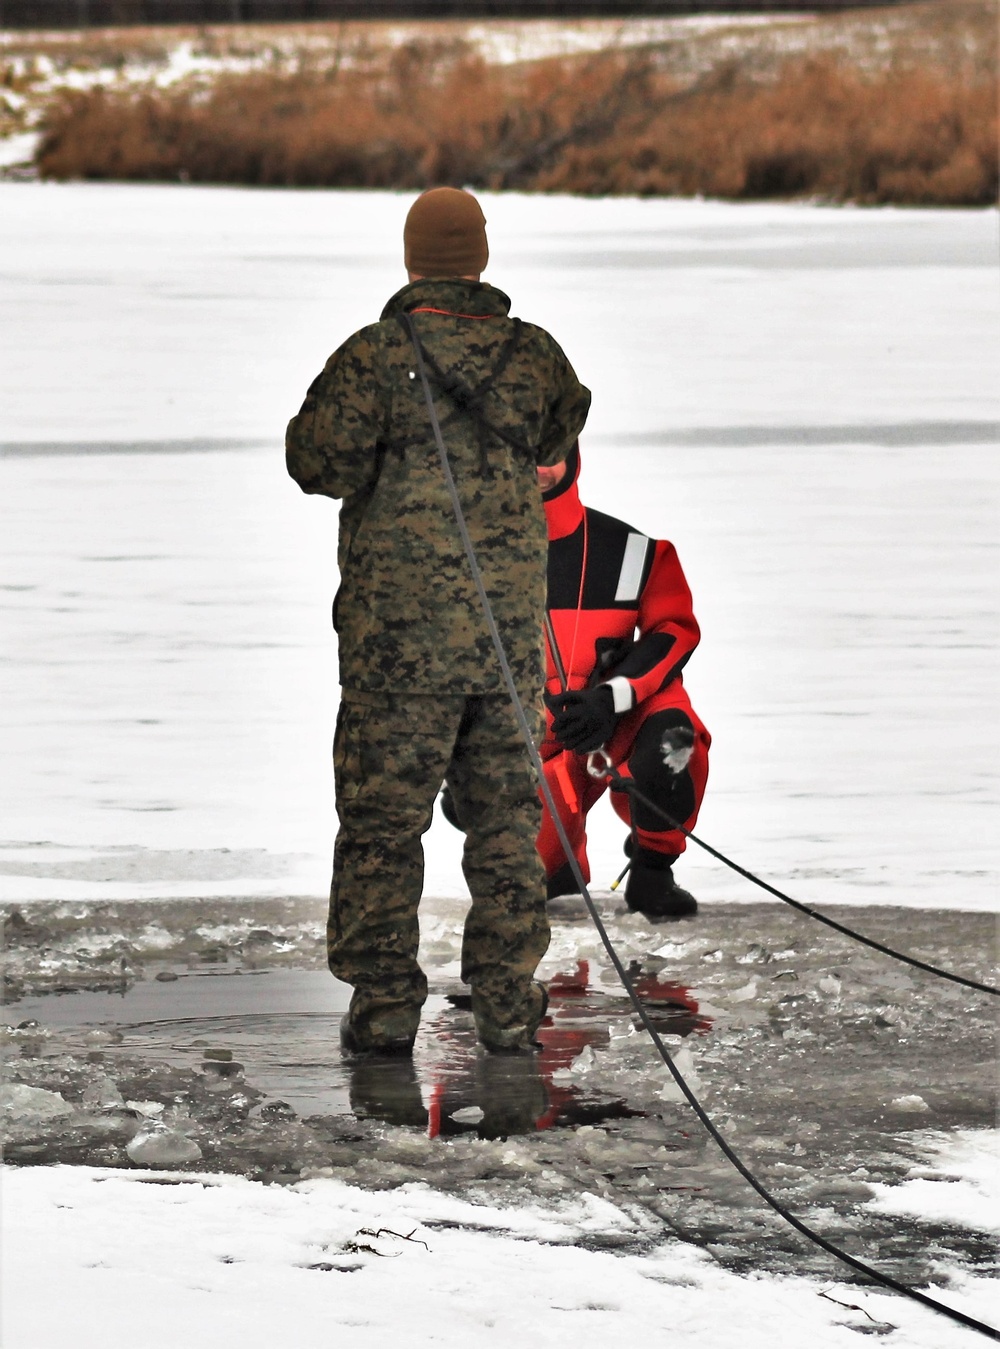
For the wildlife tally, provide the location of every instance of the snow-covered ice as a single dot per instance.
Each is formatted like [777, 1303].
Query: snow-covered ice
[802, 397]
[960, 1185]
[328, 1263]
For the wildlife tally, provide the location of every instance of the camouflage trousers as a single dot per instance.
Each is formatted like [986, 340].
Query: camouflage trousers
[391, 754]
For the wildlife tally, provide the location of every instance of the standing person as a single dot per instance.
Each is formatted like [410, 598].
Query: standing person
[422, 693]
[606, 583]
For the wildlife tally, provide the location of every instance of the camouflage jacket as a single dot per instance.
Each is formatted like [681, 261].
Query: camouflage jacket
[407, 612]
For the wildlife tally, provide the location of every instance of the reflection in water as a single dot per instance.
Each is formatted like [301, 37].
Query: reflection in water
[386, 1089]
[281, 1025]
[508, 1090]
[451, 1087]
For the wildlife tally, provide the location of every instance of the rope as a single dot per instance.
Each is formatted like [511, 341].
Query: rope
[622, 784]
[627, 984]
[550, 637]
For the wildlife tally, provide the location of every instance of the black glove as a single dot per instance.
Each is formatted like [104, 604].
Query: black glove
[583, 721]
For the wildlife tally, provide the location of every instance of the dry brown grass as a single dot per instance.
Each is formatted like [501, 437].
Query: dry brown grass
[436, 112]
[893, 105]
[819, 130]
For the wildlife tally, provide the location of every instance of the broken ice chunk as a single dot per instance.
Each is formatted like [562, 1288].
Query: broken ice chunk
[621, 1028]
[755, 953]
[671, 950]
[468, 1114]
[685, 1066]
[148, 1109]
[157, 1145]
[745, 993]
[277, 1110]
[910, 1105]
[20, 1103]
[102, 1094]
[583, 1062]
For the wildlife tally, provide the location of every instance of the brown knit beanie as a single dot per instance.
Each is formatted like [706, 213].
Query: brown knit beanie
[445, 234]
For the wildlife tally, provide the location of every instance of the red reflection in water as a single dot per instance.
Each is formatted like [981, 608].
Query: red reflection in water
[571, 1025]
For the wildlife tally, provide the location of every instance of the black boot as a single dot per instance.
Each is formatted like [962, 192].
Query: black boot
[651, 889]
[500, 1038]
[354, 1045]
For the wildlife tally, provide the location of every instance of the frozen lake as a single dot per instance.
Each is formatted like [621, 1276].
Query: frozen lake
[802, 398]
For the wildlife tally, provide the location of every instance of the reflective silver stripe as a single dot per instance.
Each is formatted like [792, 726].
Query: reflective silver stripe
[630, 578]
[623, 694]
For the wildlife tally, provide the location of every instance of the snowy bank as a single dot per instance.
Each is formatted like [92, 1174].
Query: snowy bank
[326, 1263]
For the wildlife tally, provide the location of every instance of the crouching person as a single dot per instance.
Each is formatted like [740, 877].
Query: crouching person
[624, 628]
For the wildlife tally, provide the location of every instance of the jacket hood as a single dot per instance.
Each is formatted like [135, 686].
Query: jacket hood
[563, 507]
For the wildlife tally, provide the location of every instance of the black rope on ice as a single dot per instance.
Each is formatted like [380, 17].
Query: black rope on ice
[885, 1279]
[622, 784]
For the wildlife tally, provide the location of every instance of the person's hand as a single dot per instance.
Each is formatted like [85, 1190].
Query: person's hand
[582, 721]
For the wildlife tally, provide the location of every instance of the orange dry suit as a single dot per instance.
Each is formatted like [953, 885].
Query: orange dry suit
[621, 614]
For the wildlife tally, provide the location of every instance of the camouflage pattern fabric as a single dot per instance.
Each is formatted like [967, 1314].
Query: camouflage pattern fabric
[407, 612]
[391, 752]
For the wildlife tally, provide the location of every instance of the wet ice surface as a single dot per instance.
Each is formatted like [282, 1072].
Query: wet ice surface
[273, 1029]
[824, 1064]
